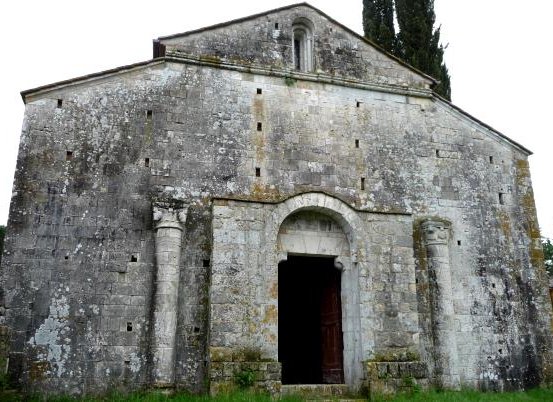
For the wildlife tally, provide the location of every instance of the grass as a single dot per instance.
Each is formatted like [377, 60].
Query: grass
[151, 397]
[541, 395]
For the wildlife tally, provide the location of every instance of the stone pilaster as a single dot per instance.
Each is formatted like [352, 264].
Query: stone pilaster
[169, 226]
[436, 241]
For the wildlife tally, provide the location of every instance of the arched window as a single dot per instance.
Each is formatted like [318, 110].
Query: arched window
[302, 46]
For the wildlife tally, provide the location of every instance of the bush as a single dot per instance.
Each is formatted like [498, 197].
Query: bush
[245, 378]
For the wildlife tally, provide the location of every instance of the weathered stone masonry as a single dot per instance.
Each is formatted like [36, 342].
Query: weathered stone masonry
[154, 203]
[436, 240]
[169, 220]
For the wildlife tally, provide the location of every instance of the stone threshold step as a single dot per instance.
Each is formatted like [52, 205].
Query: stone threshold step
[336, 400]
[315, 390]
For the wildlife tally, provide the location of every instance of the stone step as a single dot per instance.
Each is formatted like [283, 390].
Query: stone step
[316, 391]
[336, 400]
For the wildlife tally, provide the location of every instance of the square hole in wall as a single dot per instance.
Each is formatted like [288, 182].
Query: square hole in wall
[276, 25]
[358, 104]
[60, 103]
[134, 258]
[257, 172]
[491, 159]
[196, 330]
[259, 91]
[147, 162]
[356, 143]
[458, 242]
[362, 183]
[129, 326]
[438, 153]
[502, 198]
[205, 263]
[259, 126]
[68, 155]
[149, 114]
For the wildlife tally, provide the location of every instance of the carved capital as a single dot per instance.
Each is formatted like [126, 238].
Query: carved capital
[282, 256]
[168, 215]
[435, 232]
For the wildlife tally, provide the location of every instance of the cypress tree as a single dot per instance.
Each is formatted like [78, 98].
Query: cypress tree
[378, 23]
[418, 43]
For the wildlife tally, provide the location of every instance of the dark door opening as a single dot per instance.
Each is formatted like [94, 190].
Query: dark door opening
[310, 345]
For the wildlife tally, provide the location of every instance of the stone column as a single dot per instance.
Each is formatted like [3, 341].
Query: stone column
[436, 241]
[169, 225]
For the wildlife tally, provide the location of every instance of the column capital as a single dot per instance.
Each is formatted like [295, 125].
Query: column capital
[435, 231]
[338, 264]
[169, 218]
[167, 214]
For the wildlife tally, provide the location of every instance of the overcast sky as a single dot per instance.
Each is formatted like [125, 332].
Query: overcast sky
[499, 58]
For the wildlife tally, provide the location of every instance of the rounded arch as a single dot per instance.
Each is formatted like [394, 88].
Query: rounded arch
[351, 225]
[303, 21]
[333, 207]
[302, 44]
[312, 232]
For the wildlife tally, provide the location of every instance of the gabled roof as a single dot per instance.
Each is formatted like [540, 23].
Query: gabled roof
[162, 60]
[88, 77]
[304, 4]
[481, 123]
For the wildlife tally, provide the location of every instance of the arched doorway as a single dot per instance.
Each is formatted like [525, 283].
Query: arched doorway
[310, 343]
[310, 335]
[250, 240]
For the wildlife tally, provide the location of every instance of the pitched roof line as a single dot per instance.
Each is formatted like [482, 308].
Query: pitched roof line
[281, 73]
[253, 16]
[480, 123]
[88, 77]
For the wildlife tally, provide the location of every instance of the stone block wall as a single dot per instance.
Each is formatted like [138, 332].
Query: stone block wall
[95, 154]
[388, 378]
[266, 42]
[225, 377]
[378, 281]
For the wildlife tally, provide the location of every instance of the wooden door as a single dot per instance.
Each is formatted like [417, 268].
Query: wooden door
[331, 329]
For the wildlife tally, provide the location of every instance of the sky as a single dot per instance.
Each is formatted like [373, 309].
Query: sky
[498, 55]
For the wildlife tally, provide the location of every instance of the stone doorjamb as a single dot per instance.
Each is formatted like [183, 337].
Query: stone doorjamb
[351, 225]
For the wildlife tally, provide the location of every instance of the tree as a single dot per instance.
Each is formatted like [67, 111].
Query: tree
[2, 234]
[417, 42]
[548, 255]
[378, 23]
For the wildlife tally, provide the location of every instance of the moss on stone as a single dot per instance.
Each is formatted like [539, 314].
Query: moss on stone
[220, 354]
[405, 355]
[289, 81]
[210, 58]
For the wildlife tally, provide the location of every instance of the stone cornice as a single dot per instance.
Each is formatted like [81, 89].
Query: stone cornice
[181, 57]
[460, 113]
[221, 200]
[185, 58]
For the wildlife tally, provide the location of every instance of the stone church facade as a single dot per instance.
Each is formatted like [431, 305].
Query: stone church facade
[273, 196]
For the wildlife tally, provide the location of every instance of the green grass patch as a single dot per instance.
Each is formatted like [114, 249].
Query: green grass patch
[151, 396]
[540, 395]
